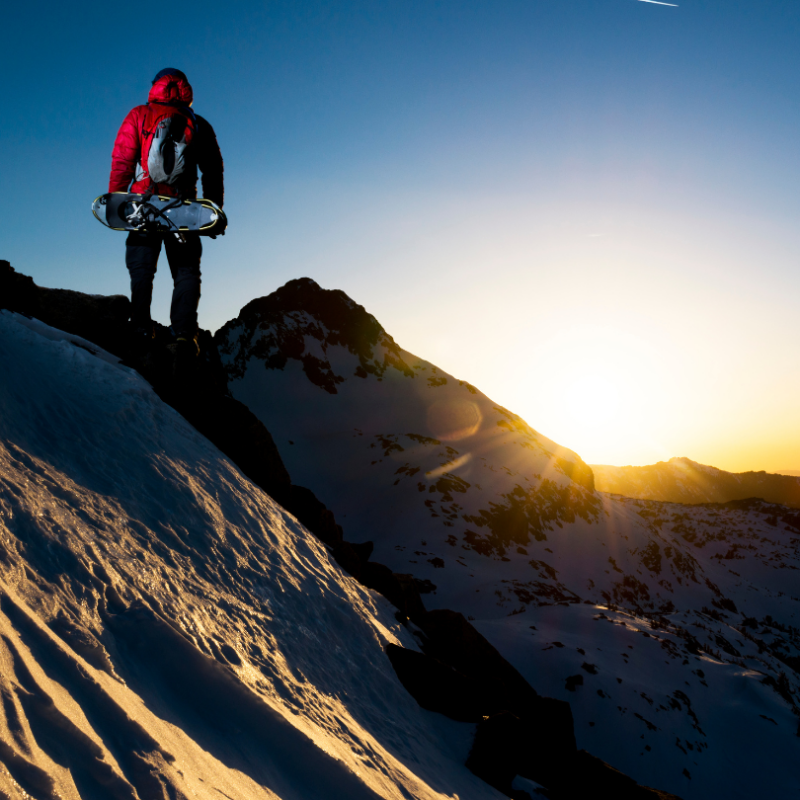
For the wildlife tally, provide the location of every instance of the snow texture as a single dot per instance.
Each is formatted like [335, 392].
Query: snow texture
[166, 630]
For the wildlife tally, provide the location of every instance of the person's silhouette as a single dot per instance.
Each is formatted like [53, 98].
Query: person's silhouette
[170, 92]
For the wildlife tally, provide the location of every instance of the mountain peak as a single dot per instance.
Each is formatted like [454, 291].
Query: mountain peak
[301, 321]
[332, 307]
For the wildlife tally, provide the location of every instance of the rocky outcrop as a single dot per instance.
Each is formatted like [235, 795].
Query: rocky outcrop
[449, 637]
[519, 732]
[322, 314]
[99, 319]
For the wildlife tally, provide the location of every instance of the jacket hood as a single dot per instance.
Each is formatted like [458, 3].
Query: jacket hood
[172, 91]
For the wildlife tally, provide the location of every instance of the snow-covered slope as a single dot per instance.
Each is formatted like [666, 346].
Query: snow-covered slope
[166, 630]
[681, 480]
[673, 631]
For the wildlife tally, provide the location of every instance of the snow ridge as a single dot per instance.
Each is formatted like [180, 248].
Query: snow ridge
[165, 628]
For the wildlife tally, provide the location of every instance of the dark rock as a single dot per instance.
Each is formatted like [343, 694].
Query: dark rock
[347, 559]
[409, 586]
[588, 776]
[506, 746]
[572, 682]
[400, 590]
[545, 724]
[380, 578]
[17, 292]
[434, 685]
[451, 639]
[102, 320]
[363, 550]
[498, 750]
[312, 513]
[235, 430]
[99, 319]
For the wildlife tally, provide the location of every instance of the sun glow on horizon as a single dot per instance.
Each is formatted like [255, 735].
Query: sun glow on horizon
[605, 396]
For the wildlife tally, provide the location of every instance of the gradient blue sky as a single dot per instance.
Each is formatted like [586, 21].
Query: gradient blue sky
[587, 208]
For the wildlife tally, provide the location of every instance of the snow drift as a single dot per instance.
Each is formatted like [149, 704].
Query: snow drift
[167, 630]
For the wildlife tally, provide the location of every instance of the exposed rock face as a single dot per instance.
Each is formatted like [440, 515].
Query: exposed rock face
[681, 480]
[102, 320]
[436, 686]
[505, 747]
[302, 309]
[451, 639]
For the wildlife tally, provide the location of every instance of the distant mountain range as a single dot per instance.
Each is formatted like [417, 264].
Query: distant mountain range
[681, 480]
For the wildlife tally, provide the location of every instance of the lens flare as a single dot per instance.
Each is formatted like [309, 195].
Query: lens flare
[450, 420]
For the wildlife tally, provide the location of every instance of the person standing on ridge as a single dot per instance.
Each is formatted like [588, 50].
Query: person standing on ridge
[193, 144]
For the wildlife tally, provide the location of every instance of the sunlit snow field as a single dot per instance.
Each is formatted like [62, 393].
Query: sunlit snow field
[163, 621]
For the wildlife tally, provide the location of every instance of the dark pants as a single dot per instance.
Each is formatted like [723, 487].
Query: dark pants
[141, 257]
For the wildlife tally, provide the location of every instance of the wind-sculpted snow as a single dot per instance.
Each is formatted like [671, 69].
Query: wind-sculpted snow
[166, 630]
[672, 630]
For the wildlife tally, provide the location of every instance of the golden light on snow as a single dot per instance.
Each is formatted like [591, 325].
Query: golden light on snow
[453, 419]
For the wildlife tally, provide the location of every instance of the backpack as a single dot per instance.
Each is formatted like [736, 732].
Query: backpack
[167, 132]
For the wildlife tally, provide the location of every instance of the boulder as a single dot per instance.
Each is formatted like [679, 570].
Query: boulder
[589, 776]
[409, 586]
[347, 558]
[450, 638]
[97, 318]
[498, 750]
[434, 685]
[312, 513]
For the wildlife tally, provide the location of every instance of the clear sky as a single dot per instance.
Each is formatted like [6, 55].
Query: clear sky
[587, 208]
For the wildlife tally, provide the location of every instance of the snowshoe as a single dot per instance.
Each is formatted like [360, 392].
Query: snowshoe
[123, 211]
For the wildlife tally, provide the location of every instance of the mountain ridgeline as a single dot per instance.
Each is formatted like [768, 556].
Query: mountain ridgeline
[460, 562]
[681, 480]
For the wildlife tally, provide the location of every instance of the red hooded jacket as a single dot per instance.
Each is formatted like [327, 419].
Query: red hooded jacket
[204, 150]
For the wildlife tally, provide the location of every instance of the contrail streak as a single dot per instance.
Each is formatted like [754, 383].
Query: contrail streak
[656, 2]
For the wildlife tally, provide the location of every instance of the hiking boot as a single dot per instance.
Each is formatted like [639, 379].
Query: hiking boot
[186, 347]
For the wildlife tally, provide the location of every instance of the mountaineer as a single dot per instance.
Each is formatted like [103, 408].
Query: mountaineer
[194, 144]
